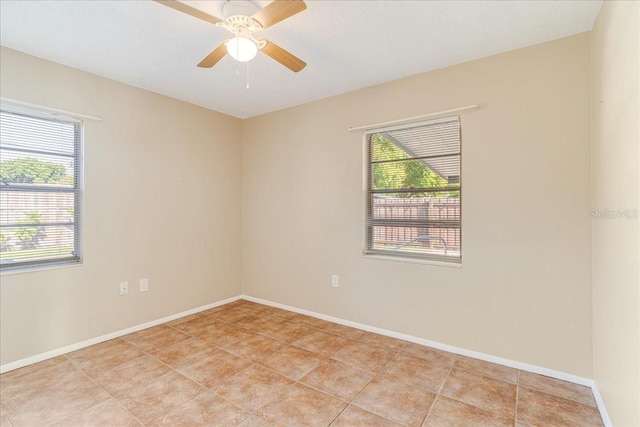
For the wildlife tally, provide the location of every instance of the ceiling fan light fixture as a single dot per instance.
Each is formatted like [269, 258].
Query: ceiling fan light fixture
[242, 49]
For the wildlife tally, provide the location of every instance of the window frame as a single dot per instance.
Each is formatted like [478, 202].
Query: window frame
[367, 252]
[78, 190]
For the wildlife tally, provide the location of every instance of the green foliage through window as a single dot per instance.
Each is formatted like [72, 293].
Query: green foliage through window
[403, 174]
[28, 170]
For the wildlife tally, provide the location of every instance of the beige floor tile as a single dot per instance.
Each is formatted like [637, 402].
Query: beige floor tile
[278, 312]
[451, 413]
[208, 330]
[288, 369]
[394, 400]
[51, 404]
[343, 331]
[232, 314]
[496, 396]
[253, 421]
[261, 322]
[364, 356]
[131, 375]
[26, 381]
[286, 331]
[248, 319]
[212, 310]
[184, 319]
[321, 343]
[182, 352]
[541, 409]
[4, 421]
[338, 379]
[160, 396]
[414, 371]
[299, 405]
[225, 335]
[556, 387]
[309, 321]
[382, 341]
[253, 387]
[198, 324]
[210, 369]
[31, 369]
[157, 336]
[255, 347]
[240, 302]
[105, 355]
[207, 409]
[292, 362]
[357, 417]
[106, 414]
[431, 355]
[487, 369]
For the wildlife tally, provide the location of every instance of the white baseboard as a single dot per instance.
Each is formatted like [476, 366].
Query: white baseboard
[603, 410]
[588, 382]
[433, 344]
[77, 346]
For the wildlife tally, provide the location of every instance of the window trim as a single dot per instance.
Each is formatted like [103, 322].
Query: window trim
[441, 261]
[59, 116]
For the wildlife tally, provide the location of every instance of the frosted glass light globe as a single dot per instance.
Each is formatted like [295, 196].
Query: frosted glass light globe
[242, 49]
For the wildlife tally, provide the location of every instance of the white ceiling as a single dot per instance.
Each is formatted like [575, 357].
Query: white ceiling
[347, 44]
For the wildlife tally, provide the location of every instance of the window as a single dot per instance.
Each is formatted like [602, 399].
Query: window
[413, 191]
[39, 190]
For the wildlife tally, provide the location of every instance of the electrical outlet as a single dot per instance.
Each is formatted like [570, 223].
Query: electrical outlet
[124, 288]
[335, 281]
[144, 285]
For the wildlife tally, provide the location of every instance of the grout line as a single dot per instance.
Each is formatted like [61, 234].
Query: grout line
[438, 393]
[103, 389]
[430, 344]
[435, 399]
[337, 416]
[376, 374]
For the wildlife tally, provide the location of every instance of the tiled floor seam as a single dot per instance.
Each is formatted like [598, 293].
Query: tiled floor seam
[435, 399]
[103, 389]
[437, 394]
[535, 390]
[378, 373]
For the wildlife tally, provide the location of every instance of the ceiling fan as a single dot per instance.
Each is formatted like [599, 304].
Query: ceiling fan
[244, 18]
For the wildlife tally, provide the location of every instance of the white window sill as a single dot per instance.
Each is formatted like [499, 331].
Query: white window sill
[413, 261]
[37, 268]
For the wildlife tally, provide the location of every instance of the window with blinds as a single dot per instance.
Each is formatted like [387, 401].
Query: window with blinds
[39, 190]
[413, 191]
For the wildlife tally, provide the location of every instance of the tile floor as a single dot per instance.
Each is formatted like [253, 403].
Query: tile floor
[246, 364]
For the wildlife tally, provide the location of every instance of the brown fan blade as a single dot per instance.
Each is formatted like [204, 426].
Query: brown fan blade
[287, 59]
[277, 11]
[197, 13]
[216, 55]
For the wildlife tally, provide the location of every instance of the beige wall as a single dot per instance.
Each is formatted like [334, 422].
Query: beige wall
[524, 291]
[162, 200]
[616, 186]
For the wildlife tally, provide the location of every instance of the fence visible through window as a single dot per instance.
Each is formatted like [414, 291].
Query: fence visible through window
[414, 190]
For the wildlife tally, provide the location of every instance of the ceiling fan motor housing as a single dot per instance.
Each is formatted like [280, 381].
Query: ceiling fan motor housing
[238, 20]
[239, 7]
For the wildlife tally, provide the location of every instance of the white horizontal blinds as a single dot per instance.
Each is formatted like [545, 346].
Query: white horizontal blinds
[413, 191]
[39, 190]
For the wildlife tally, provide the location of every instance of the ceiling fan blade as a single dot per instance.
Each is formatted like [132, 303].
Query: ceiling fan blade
[197, 13]
[287, 59]
[277, 11]
[216, 55]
